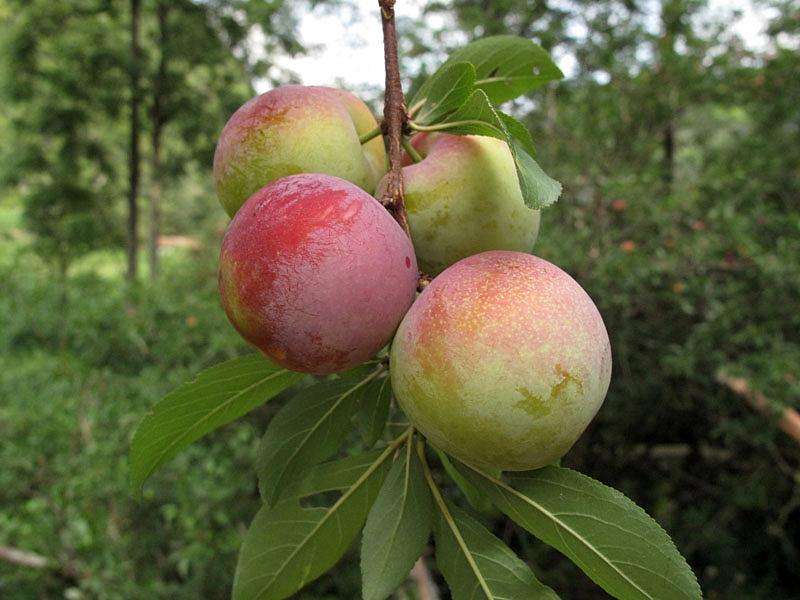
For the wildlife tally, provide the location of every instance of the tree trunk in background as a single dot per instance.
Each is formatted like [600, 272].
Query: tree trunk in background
[668, 145]
[158, 127]
[133, 157]
[672, 15]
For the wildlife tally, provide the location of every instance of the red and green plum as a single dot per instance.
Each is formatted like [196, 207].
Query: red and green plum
[296, 129]
[315, 273]
[502, 361]
[464, 198]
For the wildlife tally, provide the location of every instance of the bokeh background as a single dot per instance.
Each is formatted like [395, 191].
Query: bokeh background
[676, 134]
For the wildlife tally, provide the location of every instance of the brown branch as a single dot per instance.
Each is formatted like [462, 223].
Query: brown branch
[22, 558]
[394, 118]
[788, 418]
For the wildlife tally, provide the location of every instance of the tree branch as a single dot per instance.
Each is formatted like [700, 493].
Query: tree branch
[394, 118]
[788, 418]
[23, 558]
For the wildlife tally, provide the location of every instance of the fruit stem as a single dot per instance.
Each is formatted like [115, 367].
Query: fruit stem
[410, 150]
[370, 135]
[394, 118]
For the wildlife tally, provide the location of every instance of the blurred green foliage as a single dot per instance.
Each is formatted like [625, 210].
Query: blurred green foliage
[678, 149]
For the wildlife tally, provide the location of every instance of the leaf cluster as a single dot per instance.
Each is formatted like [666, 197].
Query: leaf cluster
[462, 97]
[315, 501]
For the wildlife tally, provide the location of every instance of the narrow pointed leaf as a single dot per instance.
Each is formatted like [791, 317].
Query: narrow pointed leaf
[539, 190]
[507, 66]
[517, 131]
[477, 499]
[217, 396]
[397, 528]
[608, 536]
[375, 400]
[445, 91]
[309, 429]
[330, 476]
[478, 566]
[478, 117]
[288, 546]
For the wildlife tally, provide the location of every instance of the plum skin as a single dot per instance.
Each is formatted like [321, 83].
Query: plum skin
[464, 198]
[315, 273]
[502, 361]
[296, 129]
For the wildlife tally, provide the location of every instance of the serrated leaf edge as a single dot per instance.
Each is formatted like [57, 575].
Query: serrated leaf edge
[139, 482]
[504, 486]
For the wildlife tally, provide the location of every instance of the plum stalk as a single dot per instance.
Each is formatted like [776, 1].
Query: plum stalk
[395, 126]
[394, 118]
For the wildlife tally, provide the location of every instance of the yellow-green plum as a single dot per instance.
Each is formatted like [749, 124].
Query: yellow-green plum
[296, 129]
[502, 361]
[464, 198]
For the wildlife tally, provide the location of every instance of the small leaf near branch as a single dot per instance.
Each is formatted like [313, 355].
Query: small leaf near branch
[478, 117]
[288, 545]
[445, 91]
[539, 190]
[307, 430]
[217, 396]
[397, 528]
[610, 538]
[517, 131]
[507, 66]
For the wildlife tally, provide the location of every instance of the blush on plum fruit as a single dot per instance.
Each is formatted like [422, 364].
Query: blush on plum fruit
[315, 273]
[296, 129]
[502, 361]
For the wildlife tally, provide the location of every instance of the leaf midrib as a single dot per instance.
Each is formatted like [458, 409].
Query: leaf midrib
[211, 413]
[331, 511]
[564, 526]
[318, 424]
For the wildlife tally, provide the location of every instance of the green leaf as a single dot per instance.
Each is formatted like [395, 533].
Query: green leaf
[375, 400]
[217, 396]
[330, 476]
[476, 116]
[444, 92]
[397, 527]
[507, 66]
[476, 564]
[539, 190]
[288, 546]
[517, 131]
[309, 429]
[477, 499]
[610, 538]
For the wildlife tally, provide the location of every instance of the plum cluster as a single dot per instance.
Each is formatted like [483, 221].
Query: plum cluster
[502, 360]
